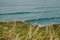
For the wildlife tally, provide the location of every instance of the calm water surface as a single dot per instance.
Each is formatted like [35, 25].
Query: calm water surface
[33, 11]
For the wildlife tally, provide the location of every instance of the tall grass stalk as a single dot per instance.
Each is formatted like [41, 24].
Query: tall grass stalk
[24, 31]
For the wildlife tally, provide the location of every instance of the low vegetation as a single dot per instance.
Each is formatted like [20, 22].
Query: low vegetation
[17, 30]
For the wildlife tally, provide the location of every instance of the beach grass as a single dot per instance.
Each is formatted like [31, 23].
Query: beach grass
[17, 30]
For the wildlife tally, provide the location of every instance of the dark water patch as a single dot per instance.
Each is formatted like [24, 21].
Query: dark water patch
[47, 7]
[43, 19]
[14, 13]
[29, 12]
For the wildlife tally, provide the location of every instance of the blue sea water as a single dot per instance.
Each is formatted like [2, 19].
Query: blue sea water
[41, 12]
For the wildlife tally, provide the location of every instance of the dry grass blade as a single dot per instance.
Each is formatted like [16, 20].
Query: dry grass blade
[36, 31]
[27, 32]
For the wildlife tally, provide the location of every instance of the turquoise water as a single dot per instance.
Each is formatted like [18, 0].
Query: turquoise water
[41, 12]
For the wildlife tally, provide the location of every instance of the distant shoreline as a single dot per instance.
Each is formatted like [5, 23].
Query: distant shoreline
[30, 23]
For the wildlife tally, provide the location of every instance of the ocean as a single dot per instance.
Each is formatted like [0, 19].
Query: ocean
[42, 12]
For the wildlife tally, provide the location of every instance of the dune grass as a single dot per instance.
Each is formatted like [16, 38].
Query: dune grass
[17, 30]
